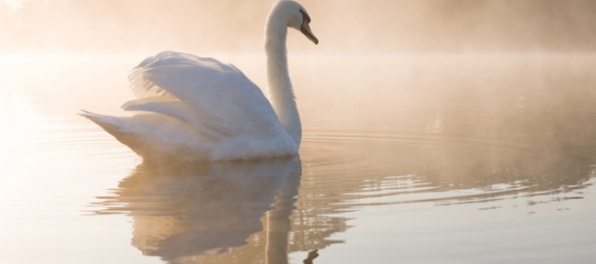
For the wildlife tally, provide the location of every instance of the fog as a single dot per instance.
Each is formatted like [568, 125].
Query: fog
[372, 26]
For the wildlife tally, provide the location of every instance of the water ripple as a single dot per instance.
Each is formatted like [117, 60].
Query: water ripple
[350, 169]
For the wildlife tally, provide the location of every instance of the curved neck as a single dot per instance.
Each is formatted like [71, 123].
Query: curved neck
[280, 86]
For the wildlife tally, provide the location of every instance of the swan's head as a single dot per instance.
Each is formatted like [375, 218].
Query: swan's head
[295, 16]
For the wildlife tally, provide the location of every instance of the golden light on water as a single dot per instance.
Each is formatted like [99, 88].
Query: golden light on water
[18, 137]
[20, 124]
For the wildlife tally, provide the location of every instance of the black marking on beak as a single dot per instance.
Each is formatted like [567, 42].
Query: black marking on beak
[305, 28]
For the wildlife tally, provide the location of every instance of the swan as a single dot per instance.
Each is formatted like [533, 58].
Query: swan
[195, 108]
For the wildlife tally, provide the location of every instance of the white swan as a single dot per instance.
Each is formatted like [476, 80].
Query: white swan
[196, 108]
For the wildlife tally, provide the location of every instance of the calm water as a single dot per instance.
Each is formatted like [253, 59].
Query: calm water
[427, 159]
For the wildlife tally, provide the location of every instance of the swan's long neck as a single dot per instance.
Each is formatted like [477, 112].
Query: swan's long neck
[280, 86]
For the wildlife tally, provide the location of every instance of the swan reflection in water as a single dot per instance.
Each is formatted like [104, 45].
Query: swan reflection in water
[192, 212]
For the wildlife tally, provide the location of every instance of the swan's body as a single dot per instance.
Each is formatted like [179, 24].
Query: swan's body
[196, 108]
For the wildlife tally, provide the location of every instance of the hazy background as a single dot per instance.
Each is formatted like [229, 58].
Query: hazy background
[371, 26]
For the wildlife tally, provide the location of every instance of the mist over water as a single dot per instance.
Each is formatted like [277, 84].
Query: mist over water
[343, 26]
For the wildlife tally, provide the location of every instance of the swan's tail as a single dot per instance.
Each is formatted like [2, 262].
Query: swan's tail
[154, 136]
[113, 125]
[108, 123]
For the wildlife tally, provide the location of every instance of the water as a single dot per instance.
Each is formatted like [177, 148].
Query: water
[411, 159]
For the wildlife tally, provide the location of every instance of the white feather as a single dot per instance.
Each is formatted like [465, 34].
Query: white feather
[198, 108]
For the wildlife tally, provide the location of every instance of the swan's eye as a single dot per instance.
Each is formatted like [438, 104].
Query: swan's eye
[305, 17]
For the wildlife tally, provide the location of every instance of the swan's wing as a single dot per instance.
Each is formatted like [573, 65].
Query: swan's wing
[155, 137]
[222, 97]
[173, 108]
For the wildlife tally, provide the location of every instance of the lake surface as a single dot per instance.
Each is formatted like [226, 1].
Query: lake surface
[405, 159]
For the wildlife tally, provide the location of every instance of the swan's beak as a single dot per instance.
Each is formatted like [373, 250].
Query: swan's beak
[305, 29]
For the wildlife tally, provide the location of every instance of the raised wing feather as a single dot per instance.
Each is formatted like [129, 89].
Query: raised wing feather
[223, 98]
